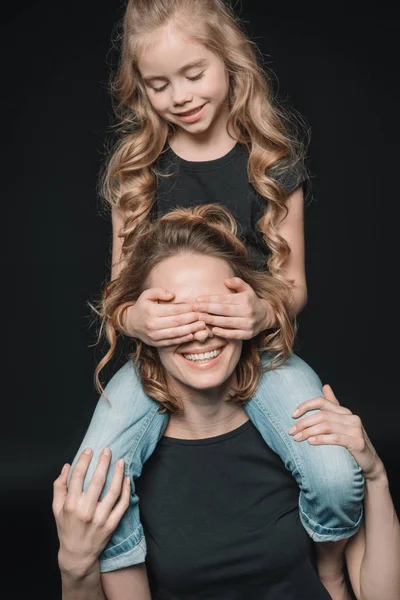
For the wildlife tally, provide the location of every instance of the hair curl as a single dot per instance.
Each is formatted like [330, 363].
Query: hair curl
[270, 133]
[205, 230]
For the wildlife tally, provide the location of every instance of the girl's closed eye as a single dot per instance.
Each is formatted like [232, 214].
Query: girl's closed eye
[160, 89]
[196, 77]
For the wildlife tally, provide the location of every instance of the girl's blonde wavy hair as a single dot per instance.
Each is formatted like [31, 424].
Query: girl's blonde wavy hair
[204, 230]
[129, 178]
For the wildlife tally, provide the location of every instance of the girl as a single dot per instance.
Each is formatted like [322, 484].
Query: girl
[219, 509]
[199, 125]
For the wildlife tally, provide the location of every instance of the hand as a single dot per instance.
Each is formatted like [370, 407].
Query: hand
[157, 322]
[335, 424]
[238, 316]
[84, 525]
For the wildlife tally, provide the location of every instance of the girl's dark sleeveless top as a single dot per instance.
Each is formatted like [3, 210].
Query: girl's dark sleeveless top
[183, 183]
[221, 522]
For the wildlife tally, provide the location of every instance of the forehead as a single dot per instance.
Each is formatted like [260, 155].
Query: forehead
[191, 275]
[167, 49]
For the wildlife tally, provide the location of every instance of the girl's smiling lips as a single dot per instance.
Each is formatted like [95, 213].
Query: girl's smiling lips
[190, 116]
[187, 112]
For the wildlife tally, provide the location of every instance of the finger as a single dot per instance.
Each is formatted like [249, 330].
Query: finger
[176, 320]
[60, 489]
[319, 417]
[319, 402]
[177, 332]
[78, 475]
[121, 507]
[174, 341]
[224, 322]
[227, 310]
[98, 480]
[168, 309]
[235, 283]
[329, 395]
[335, 439]
[106, 505]
[232, 334]
[325, 427]
[219, 299]
[158, 294]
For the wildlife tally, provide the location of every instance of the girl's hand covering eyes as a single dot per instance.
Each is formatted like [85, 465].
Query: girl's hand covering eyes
[84, 525]
[239, 316]
[157, 321]
[335, 424]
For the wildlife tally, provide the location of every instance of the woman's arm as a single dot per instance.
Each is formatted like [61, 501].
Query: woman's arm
[373, 553]
[84, 526]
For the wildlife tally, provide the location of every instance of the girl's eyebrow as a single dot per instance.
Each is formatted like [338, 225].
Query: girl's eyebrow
[195, 63]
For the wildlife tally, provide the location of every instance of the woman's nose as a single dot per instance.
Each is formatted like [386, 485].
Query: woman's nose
[203, 334]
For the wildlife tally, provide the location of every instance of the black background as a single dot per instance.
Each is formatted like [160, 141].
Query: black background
[340, 72]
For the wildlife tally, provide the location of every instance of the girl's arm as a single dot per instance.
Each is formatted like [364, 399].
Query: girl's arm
[373, 553]
[292, 230]
[117, 241]
[154, 319]
[246, 315]
[84, 526]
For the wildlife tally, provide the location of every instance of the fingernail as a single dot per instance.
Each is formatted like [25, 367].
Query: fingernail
[88, 451]
[121, 462]
[63, 469]
[298, 436]
[296, 412]
[292, 429]
[107, 451]
[311, 440]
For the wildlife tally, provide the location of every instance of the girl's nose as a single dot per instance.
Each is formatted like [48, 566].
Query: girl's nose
[203, 334]
[180, 96]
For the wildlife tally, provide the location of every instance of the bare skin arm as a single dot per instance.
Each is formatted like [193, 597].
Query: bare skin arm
[373, 554]
[84, 526]
[153, 318]
[292, 230]
[117, 226]
[243, 315]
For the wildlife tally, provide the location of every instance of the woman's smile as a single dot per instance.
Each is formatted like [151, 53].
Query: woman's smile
[205, 358]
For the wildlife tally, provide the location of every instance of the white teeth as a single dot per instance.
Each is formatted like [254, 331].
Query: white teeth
[203, 355]
[192, 112]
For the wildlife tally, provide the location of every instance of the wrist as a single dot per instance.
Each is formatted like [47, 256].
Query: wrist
[377, 476]
[77, 568]
[128, 321]
[269, 316]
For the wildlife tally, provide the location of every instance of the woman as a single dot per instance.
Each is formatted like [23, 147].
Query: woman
[219, 508]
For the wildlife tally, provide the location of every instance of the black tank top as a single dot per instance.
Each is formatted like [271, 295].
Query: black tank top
[183, 183]
[221, 522]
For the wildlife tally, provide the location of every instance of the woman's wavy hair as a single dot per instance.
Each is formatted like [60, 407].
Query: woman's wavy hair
[271, 133]
[204, 230]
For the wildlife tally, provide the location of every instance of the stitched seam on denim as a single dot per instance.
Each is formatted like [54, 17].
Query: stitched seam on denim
[278, 429]
[328, 530]
[139, 438]
[139, 543]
